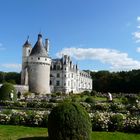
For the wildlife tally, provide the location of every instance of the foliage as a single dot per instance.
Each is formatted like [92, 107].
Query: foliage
[124, 81]
[26, 95]
[116, 122]
[7, 90]
[100, 121]
[69, 121]
[10, 77]
[116, 107]
[27, 118]
[90, 100]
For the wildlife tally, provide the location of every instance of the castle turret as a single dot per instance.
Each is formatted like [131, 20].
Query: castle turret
[25, 54]
[39, 68]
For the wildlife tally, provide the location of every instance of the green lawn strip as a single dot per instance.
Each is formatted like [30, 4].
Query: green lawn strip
[114, 136]
[9, 132]
[100, 98]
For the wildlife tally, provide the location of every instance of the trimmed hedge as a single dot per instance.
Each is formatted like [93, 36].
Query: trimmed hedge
[69, 121]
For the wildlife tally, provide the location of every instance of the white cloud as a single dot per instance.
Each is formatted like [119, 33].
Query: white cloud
[138, 26]
[138, 49]
[136, 36]
[11, 67]
[1, 47]
[138, 18]
[116, 59]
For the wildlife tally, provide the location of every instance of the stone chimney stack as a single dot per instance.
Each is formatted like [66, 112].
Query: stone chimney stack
[47, 46]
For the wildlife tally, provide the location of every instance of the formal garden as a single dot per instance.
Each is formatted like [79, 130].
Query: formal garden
[110, 119]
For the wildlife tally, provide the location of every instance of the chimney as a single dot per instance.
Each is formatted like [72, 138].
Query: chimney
[47, 45]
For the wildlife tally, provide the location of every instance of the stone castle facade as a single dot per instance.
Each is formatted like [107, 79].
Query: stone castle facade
[44, 75]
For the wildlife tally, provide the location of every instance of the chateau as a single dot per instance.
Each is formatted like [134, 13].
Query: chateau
[44, 75]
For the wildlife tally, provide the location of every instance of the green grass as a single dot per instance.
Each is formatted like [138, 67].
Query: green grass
[114, 136]
[100, 98]
[8, 132]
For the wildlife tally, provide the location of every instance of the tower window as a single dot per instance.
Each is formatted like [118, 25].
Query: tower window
[38, 58]
[50, 82]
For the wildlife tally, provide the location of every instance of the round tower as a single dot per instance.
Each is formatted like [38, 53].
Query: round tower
[39, 68]
[25, 54]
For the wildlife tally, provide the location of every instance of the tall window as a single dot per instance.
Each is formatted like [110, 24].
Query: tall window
[58, 67]
[58, 75]
[50, 82]
[72, 75]
[57, 83]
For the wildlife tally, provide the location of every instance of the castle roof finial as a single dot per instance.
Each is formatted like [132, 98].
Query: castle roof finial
[28, 38]
[27, 42]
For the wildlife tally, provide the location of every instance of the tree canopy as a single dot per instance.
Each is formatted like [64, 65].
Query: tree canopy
[124, 81]
[10, 77]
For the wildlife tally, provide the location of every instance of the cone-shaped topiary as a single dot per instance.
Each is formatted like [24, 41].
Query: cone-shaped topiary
[7, 92]
[69, 121]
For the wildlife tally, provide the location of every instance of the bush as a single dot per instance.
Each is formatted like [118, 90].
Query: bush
[69, 121]
[117, 107]
[90, 100]
[116, 122]
[7, 91]
[100, 121]
[94, 93]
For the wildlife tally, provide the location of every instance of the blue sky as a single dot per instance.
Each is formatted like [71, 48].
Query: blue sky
[98, 34]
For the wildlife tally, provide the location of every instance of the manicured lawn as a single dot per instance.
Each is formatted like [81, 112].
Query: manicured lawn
[8, 132]
[114, 136]
[100, 98]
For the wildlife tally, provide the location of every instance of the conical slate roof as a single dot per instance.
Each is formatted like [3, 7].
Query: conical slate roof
[38, 49]
[27, 44]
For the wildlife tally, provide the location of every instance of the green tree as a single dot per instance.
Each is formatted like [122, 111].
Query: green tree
[8, 92]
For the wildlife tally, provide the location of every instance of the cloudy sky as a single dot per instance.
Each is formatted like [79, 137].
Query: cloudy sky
[97, 34]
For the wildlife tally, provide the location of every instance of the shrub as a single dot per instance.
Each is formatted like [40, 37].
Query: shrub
[69, 121]
[94, 93]
[100, 106]
[8, 92]
[116, 122]
[100, 121]
[116, 107]
[124, 100]
[90, 100]
[85, 93]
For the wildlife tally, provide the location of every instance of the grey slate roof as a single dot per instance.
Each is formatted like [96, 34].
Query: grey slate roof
[38, 49]
[27, 44]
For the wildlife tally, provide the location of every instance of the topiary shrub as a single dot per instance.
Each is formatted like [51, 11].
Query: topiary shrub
[90, 100]
[69, 121]
[7, 92]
